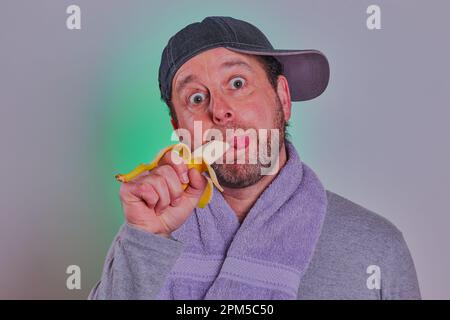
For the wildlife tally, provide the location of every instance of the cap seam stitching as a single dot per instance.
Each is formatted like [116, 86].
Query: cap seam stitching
[218, 21]
[229, 27]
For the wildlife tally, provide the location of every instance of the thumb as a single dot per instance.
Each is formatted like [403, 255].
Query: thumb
[197, 184]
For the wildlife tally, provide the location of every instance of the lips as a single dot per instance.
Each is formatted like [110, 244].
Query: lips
[240, 142]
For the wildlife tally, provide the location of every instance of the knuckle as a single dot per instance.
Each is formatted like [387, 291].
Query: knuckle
[122, 189]
[125, 189]
[169, 174]
[143, 188]
[162, 171]
[158, 181]
[168, 170]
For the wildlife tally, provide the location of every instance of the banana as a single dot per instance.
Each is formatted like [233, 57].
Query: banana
[198, 162]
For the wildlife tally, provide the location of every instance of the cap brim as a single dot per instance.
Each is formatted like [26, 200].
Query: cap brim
[307, 71]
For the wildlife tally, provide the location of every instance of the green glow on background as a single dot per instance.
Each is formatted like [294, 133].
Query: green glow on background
[136, 124]
[135, 121]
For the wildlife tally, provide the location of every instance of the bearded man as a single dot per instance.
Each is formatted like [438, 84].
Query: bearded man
[266, 236]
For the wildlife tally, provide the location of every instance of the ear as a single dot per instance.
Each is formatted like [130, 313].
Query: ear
[285, 96]
[174, 123]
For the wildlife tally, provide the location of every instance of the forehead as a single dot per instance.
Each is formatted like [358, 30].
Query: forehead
[214, 59]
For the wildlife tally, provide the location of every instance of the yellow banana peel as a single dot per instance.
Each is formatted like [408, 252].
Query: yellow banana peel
[184, 152]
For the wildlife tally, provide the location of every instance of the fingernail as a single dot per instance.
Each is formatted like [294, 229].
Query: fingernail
[184, 177]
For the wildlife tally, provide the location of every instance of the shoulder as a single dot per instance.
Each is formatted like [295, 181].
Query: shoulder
[349, 219]
[353, 240]
[368, 234]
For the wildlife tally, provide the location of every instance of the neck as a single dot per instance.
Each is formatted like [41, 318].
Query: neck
[241, 200]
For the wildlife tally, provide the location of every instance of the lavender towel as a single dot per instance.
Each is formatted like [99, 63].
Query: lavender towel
[266, 256]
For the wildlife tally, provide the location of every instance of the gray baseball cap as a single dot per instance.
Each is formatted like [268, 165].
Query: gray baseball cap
[307, 71]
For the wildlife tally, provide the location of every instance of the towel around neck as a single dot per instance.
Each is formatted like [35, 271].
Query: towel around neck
[263, 258]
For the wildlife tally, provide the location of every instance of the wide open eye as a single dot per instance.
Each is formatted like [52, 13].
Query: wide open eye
[197, 98]
[237, 83]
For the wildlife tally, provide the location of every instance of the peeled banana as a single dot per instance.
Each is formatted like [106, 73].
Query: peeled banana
[197, 162]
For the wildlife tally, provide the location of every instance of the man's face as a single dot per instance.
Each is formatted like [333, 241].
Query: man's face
[224, 90]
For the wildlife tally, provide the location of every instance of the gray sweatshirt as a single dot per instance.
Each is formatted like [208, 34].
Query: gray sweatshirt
[360, 255]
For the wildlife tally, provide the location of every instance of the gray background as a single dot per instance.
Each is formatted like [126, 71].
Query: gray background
[378, 136]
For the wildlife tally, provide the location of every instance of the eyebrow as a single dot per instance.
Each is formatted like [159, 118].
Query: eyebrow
[226, 65]
[232, 63]
[185, 81]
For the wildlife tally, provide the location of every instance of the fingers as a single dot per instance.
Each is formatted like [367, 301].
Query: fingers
[139, 192]
[158, 189]
[161, 188]
[177, 163]
[161, 183]
[167, 179]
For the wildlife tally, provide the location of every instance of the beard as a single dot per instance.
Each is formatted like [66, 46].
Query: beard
[238, 175]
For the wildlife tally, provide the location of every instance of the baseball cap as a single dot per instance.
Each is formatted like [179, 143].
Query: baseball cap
[307, 71]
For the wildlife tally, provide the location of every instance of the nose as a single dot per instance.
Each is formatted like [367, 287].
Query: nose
[221, 111]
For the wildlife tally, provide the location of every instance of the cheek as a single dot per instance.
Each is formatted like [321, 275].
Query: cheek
[257, 112]
[195, 126]
[186, 119]
[250, 114]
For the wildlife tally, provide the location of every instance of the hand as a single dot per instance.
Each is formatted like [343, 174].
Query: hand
[155, 200]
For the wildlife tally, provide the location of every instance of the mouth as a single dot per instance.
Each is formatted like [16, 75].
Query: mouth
[239, 142]
[238, 148]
